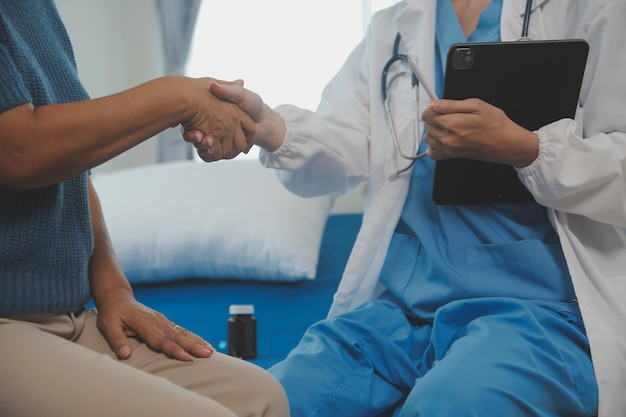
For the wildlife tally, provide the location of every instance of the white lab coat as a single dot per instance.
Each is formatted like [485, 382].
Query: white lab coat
[346, 141]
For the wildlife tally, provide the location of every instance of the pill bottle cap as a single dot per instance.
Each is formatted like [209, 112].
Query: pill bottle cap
[241, 309]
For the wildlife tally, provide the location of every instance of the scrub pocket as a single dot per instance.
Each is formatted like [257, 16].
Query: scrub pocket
[529, 269]
[413, 279]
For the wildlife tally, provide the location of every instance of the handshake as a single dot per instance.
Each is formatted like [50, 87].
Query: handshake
[229, 120]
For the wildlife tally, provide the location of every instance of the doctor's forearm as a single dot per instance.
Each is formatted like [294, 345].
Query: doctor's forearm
[271, 131]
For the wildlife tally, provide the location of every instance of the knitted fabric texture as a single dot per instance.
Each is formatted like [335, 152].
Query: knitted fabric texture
[46, 237]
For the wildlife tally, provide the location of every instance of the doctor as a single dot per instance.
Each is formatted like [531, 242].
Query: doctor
[487, 310]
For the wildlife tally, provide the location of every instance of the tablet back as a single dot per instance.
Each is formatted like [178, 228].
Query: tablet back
[534, 82]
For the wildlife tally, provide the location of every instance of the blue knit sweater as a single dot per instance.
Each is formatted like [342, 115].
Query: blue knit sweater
[46, 237]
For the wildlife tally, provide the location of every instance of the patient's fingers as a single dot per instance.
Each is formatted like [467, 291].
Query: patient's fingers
[206, 148]
[189, 342]
[173, 340]
[192, 136]
[233, 148]
[209, 149]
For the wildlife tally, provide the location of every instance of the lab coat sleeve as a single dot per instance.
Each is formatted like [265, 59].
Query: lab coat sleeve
[327, 151]
[581, 164]
[579, 176]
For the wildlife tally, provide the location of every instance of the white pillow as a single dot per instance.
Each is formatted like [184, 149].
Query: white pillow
[227, 219]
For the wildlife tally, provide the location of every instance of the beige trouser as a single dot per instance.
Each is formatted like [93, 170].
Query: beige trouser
[61, 365]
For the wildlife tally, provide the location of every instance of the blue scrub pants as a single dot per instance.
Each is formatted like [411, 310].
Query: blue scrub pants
[483, 357]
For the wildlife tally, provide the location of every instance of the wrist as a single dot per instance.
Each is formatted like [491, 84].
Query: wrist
[182, 96]
[528, 151]
[103, 297]
[273, 132]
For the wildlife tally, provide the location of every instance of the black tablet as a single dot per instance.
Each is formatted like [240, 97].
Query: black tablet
[534, 82]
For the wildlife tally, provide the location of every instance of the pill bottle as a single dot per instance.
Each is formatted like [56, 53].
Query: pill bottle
[242, 331]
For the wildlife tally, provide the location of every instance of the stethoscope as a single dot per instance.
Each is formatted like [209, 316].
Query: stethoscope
[386, 82]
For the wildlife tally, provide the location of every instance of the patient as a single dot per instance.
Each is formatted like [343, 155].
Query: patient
[55, 254]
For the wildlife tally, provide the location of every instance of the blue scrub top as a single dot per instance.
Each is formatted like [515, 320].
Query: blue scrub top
[444, 253]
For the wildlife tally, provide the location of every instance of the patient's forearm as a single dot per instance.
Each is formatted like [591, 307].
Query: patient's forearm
[44, 145]
[105, 273]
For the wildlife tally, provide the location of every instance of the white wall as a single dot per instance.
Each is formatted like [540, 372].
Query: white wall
[117, 46]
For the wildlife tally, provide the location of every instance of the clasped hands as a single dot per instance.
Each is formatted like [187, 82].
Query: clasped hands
[262, 126]
[227, 124]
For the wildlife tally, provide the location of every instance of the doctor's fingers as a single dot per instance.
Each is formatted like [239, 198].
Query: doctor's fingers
[435, 129]
[435, 147]
[443, 143]
[444, 106]
[436, 154]
[250, 102]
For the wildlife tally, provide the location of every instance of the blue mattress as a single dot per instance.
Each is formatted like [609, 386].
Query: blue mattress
[283, 310]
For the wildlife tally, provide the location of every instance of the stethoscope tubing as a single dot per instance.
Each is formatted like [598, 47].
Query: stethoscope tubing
[396, 56]
[526, 23]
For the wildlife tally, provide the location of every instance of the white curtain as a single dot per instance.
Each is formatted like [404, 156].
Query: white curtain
[178, 19]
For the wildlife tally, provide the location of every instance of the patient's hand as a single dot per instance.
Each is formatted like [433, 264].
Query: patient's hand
[121, 316]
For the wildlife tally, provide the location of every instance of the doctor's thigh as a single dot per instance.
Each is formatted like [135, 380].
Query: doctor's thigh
[478, 358]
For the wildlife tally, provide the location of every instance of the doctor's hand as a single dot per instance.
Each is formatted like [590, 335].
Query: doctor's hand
[269, 126]
[221, 130]
[477, 130]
